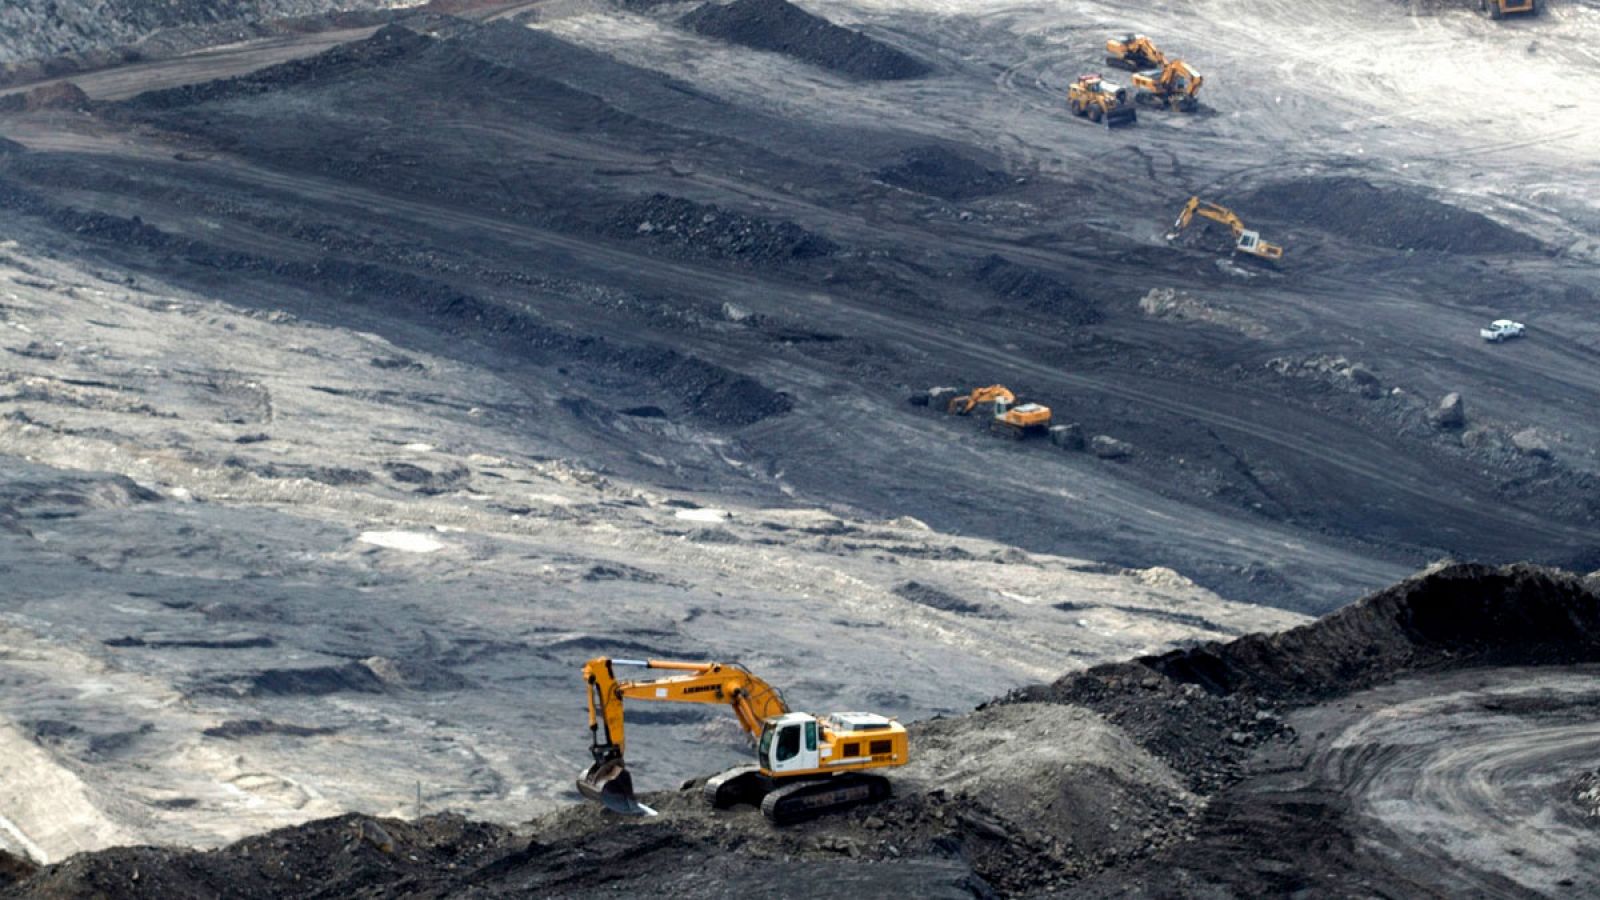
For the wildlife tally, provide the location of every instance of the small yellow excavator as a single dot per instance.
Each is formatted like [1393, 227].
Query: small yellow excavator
[1010, 418]
[1175, 85]
[1244, 240]
[1101, 100]
[805, 765]
[1499, 9]
[1134, 52]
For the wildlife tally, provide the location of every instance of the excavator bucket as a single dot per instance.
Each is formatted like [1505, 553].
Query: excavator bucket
[1122, 115]
[609, 784]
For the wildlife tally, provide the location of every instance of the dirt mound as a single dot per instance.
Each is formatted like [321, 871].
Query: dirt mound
[934, 598]
[1402, 218]
[346, 856]
[1201, 709]
[781, 27]
[61, 95]
[14, 869]
[233, 729]
[1035, 290]
[942, 172]
[1461, 615]
[385, 47]
[699, 229]
[70, 495]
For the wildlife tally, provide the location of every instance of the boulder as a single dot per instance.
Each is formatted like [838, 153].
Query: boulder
[1450, 413]
[1529, 443]
[1365, 381]
[939, 398]
[1107, 447]
[1068, 437]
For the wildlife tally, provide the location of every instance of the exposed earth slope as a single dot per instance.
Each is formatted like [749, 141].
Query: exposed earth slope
[1418, 770]
[363, 374]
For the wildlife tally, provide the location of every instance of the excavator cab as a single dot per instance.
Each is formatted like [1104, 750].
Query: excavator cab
[1250, 242]
[788, 743]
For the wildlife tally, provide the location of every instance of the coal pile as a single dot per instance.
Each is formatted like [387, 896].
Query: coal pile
[1035, 290]
[83, 35]
[345, 856]
[1400, 218]
[941, 172]
[61, 95]
[1200, 709]
[385, 47]
[934, 598]
[1459, 616]
[698, 229]
[781, 27]
[14, 869]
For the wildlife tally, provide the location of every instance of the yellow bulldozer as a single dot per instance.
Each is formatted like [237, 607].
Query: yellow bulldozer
[1009, 418]
[1101, 101]
[1499, 9]
[805, 765]
[1244, 240]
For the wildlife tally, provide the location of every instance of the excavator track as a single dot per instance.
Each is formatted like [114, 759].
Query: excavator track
[738, 785]
[808, 799]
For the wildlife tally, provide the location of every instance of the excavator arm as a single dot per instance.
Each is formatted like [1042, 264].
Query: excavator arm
[607, 781]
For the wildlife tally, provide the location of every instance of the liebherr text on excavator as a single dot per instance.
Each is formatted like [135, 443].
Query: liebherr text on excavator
[805, 765]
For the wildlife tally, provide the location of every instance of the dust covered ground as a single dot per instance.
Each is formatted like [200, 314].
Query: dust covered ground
[363, 379]
[599, 192]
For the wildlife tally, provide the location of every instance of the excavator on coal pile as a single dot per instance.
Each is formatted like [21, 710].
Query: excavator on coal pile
[1010, 418]
[1176, 85]
[1244, 240]
[805, 765]
[1134, 52]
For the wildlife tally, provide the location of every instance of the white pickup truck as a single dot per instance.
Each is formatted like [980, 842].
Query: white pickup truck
[1500, 330]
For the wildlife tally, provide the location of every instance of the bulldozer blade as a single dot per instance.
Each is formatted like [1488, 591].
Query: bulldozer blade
[1121, 117]
[609, 784]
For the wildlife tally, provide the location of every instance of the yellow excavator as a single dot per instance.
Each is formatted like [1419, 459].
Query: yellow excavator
[1010, 418]
[1244, 240]
[1175, 85]
[805, 765]
[1499, 9]
[1134, 52]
